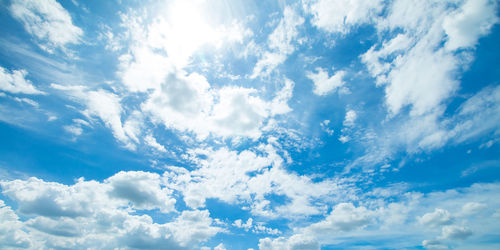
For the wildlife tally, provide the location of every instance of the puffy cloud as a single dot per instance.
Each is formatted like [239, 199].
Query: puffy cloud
[437, 218]
[341, 15]
[90, 214]
[323, 84]
[15, 82]
[467, 24]
[295, 242]
[11, 233]
[188, 103]
[142, 189]
[350, 118]
[48, 21]
[280, 43]
[344, 217]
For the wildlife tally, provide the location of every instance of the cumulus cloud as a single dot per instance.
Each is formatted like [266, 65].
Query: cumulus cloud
[324, 85]
[15, 82]
[142, 189]
[344, 217]
[48, 21]
[188, 103]
[11, 233]
[437, 218]
[99, 215]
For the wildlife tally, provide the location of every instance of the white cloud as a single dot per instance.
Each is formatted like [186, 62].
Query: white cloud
[341, 15]
[187, 103]
[151, 141]
[142, 189]
[405, 222]
[48, 21]
[417, 61]
[350, 118]
[75, 130]
[257, 227]
[11, 233]
[344, 217]
[247, 178]
[27, 101]
[294, 242]
[437, 218]
[325, 126]
[455, 232]
[239, 224]
[323, 84]
[280, 42]
[105, 105]
[90, 214]
[471, 21]
[15, 82]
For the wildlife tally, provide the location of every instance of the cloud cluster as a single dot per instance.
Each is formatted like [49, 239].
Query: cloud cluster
[459, 214]
[48, 21]
[107, 214]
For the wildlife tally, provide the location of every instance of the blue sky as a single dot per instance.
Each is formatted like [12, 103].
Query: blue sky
[328, 124]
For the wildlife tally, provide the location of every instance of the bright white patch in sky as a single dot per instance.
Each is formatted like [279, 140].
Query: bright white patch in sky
[16, 82]
[48, 21]
[323, 84]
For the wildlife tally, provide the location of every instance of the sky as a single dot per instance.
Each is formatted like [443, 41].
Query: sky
[240, 124]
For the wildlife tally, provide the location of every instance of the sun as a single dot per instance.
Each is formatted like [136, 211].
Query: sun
[182, 29]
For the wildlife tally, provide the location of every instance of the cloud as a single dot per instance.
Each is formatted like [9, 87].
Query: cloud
[151, 141]
[15, 82]
[437, 218]
[99, 214]
[397, 219]
[468, 23]
[295, 242]
[280, 43]
[142, 189]
[107, 107]
[257, 227]
[324, 85]
[344, 217]
[455, 232]
[11, 233]
[188, 103]
[48, 21]
[414, 60]
[249, 177]
[350, 118]
[341, 15]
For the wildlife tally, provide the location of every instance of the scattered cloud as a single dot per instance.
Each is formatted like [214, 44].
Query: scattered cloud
[324, 85]
[48, 21]
[15, 82]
